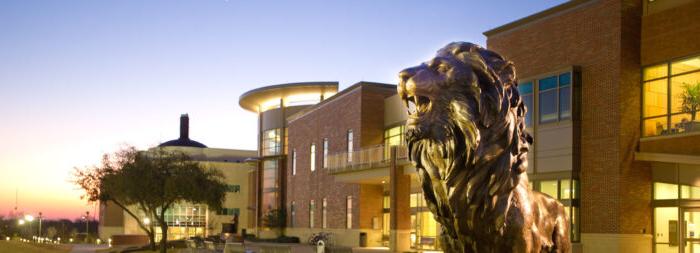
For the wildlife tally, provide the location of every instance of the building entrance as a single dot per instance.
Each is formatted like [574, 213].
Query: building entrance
[690, 236]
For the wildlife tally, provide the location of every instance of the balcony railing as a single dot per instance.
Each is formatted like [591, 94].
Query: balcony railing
[373, 157]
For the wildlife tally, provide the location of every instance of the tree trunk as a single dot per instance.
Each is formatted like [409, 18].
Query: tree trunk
[164, 238]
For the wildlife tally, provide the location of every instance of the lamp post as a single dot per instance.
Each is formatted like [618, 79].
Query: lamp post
[40, 218]
[87, 225]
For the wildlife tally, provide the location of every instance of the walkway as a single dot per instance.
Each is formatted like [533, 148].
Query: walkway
[87, 248]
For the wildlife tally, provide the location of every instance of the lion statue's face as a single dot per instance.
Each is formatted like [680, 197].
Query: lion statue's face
[464, 94]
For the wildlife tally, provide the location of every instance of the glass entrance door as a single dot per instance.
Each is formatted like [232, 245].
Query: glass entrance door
[690, 231]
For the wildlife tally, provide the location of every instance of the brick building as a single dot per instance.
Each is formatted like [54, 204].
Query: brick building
[612, 89]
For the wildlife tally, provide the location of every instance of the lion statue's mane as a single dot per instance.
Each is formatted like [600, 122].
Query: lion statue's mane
[466, 137]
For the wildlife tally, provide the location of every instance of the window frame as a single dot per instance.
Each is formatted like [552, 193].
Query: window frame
[668, 116]
[573, 85]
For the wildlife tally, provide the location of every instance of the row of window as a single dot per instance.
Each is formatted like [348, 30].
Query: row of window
[324, 213]
[553, 98]
[312, 154]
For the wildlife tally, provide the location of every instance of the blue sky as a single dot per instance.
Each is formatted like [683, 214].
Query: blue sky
[81, 78]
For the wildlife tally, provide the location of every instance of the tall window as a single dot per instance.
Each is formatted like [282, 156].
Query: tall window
[350, 147]
[348, 212]
[324, 207]
[312, 207]
[526, 92]
[271, 142]
[393, 137]
[325, 153]
[555, 97]
[671, 97]
[293, 212]
[566, 191]
[313, 156]
[294, 161]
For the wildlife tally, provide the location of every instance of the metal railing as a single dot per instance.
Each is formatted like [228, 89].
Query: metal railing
[366, 158]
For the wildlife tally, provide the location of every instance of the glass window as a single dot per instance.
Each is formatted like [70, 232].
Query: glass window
[565, 189]
[393, 137]
[671, 103]
[665, 191]
[294, 161]
[312, 157]
[690, 192]
[655, 72]
[348, 212]
[655, 126]
[548, 106]
[293, 212]
[526, 92]
[550, 187]
[686, 65]
[685, 93]
[312, 207]
[350, 145]
[386, 202]
[655, 98]
[325, 153]
[271, 142]
[324, 207]
[270, 184]
[666, 229]
[554, 97]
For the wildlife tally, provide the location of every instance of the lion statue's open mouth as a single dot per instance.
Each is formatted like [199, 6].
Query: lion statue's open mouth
[466, 137]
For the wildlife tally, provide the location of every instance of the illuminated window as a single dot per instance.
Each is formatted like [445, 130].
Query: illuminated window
[313, 157]
[325, 153]
[671, 97]
[324, 208]
[566, 191]
[312, 207]
[271, 142]
[348, 212]
[294, 161]
[350, 145]
[393, 137]
[293, 212]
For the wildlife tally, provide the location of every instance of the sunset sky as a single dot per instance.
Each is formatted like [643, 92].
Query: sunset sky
[82, 78]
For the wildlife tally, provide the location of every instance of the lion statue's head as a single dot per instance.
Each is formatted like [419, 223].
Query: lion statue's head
[465, 129]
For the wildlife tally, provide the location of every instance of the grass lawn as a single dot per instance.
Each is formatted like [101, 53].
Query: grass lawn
[21, 247]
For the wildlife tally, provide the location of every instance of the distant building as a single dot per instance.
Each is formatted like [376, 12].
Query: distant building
[189, 220]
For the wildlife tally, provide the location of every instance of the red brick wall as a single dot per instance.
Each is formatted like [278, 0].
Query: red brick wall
[602, 37]
[356, 109]
[671, 34]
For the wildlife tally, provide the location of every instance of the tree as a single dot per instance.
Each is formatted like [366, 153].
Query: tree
[691, 99]
[153, 181]
[276, 219]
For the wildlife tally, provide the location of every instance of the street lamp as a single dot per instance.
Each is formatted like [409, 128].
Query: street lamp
[40, 218]
[87, 225]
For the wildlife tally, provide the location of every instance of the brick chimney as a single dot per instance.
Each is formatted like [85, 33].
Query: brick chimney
[184, 127]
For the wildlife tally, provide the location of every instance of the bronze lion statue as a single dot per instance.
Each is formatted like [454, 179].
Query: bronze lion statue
[466, 137]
